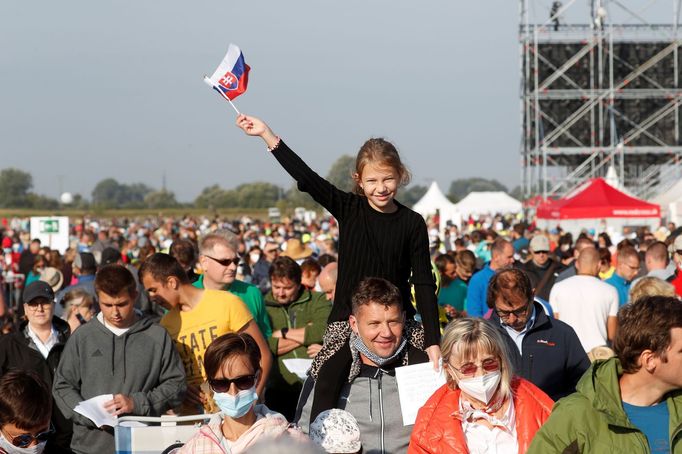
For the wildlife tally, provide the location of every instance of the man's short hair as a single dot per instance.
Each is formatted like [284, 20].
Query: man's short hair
[326, 259]
[184, 252]
[582, 243]
[161, 266]
[645, 324]
[221, 236]
[627, 252]
[498, 247]
[25, 400]
[377, 291]
[512, 285]
[114, 279]
[285, 268]
[310, 265]
[658, 252]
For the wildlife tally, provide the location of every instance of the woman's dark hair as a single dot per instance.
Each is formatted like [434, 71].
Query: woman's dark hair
[25, 400]
[607, 239]
[229, 346]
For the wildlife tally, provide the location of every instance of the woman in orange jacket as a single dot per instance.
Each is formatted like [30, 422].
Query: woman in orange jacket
[481, 408]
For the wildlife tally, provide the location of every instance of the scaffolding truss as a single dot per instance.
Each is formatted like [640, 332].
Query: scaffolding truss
[599, 95]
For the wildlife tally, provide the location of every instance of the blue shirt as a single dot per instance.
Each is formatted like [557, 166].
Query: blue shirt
[622, 286]
[477, 292]
[653, 422]
[517, 336]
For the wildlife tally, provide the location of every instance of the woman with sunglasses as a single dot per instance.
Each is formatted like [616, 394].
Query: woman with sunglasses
[481, 408]
[25, 411]
[232, 365]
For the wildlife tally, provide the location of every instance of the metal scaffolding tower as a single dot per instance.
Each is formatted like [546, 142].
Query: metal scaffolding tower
[599, 96]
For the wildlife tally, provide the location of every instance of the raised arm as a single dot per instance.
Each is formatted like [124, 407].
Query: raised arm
[324, 193]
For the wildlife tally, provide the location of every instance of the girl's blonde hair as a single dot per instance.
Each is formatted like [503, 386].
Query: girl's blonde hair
[382, 153]
[651, 286]
[464, 338]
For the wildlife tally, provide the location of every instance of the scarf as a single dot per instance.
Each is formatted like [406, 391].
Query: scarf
[357, 343]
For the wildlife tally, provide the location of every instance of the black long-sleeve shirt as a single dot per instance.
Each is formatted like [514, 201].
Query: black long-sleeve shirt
[372, 244]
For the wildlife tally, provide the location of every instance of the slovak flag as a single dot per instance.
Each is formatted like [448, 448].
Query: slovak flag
[232, 75]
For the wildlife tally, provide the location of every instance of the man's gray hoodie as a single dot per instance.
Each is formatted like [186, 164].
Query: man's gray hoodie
[142, 363]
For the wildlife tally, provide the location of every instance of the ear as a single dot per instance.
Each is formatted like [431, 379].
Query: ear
[357, 179]
[172, 282]
[648, 361]
[353, 322]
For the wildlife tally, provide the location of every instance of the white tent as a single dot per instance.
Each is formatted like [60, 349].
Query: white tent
[671, 203]
[434, 201]
[489, 202]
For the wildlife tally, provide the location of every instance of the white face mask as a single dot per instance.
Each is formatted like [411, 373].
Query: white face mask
[481, 388]
[11, 449]
[254, 257]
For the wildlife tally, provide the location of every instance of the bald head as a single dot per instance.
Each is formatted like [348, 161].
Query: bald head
[587, 263]
[327, 280]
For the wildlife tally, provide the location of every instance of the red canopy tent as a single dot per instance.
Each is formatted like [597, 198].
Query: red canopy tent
[598, 200]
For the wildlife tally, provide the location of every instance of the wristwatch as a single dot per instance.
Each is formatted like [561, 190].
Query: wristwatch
[284, 332]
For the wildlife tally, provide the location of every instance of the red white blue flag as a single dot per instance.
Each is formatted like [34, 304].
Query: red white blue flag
[232, 75]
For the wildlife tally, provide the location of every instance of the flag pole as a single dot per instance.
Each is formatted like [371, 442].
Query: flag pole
[210, 82]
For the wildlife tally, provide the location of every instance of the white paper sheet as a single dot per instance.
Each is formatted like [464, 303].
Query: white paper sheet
[415, 385]
[298, 366]
[94, 410]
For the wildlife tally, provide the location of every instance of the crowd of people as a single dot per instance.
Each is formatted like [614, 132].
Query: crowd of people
[548, 342]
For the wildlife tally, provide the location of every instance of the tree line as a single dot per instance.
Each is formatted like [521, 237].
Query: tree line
[16, 192]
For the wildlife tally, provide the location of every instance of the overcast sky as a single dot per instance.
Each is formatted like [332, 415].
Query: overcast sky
[97, 89]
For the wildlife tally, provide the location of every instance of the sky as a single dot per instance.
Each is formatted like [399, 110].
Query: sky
[99, 89]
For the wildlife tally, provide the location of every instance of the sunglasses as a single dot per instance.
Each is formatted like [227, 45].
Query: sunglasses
[24, 440]
[469, 369]
[517, 312]
[540, 252]
[222, 385]
[225, 262]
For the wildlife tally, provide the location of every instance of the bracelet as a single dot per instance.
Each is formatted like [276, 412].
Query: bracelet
[274, 147]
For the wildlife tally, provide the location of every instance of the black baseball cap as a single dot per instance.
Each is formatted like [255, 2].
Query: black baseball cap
[38, 289]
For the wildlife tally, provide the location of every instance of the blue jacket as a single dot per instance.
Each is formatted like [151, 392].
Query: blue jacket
[553, 358]
[476, 305]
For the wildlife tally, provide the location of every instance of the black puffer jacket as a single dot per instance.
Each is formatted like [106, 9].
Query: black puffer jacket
[17, 351]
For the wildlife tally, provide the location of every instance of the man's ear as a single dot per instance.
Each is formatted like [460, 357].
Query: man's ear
[172, 282]
[353, 322]
[648, 360]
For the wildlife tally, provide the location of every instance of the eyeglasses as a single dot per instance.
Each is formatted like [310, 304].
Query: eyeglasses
[679, 251]
[469, 369]
[225, 262]
[271, 251]
[24, 440]
[34, 304]
[222, 385]
[540, 252]
[517, 312]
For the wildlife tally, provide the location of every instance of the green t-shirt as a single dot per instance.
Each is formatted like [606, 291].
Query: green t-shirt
[253, 299]
[454, 294]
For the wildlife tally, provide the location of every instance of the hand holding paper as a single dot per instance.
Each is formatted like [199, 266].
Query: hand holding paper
[94, 409]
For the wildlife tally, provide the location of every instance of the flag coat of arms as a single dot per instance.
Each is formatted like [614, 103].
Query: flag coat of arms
[232, 75]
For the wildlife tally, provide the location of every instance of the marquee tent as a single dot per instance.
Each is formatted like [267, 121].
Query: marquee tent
[488, 202]
[435, 201]
[595, 202]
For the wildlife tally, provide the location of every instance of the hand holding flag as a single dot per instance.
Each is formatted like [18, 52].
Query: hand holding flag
[231, 77]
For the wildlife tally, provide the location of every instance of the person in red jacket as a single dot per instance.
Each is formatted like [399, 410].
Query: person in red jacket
[482, 404]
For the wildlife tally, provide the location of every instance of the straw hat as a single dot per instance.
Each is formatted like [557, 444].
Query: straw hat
[296, 250]
[53, 277]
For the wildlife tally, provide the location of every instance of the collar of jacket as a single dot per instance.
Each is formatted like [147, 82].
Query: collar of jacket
[304, 297]
[62, 327]
[600, 385]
